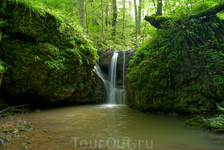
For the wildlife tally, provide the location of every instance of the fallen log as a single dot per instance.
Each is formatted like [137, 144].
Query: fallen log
[161, 22]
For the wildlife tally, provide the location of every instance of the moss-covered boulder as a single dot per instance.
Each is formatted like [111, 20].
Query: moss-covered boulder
[180, 69]
[47, 58]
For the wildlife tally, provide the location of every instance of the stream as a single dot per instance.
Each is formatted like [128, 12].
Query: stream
[76, 127]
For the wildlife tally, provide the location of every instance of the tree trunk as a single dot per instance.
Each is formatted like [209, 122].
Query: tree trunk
[114, 22]
[136, 19]
[145, 22]
[107, 14]
[72, 14]
[139, 15]
[86, 22]
[81, 13]
[123, 18]
[159, 8]
[67, 8]
[102, 17]
[94, 12]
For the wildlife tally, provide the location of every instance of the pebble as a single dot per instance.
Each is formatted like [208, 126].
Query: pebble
[29, 142]
[23, 144]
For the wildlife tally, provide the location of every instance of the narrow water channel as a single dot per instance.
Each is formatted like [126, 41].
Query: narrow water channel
[57, 129]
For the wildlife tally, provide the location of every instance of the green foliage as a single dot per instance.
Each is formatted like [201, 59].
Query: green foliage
[216, 122]
[7, 114]
[3, 66]
[195, 87]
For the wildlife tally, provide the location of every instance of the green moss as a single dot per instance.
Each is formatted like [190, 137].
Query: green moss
[196, 122]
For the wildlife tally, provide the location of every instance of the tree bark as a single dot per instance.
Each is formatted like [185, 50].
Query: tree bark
[114, 22]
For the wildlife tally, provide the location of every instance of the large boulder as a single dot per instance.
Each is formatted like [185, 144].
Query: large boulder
[48, 59]
[179, 70]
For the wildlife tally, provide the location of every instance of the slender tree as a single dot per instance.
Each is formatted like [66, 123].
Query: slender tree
[72, 14]
[102, 17]
[107, 16]
[82, 13]
[114, 22]
[136, 19]
[124, 1]
[139, 15]
[93, 12]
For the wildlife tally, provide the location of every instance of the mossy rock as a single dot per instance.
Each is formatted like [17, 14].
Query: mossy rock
[48, 59]
[196, 122]
[175, 70]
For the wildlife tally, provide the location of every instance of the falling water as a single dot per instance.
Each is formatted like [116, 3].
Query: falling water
[123, 69]
[113, 69]
[116, 94]
[103, 76]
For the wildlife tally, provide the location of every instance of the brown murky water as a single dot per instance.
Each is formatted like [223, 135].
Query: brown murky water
[114, 127]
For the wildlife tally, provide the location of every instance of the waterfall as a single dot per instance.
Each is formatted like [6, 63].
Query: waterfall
[115, 94]
[124, 66]
[113, 69]
[103, 76]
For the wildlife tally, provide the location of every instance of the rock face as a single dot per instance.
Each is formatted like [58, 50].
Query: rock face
[174, 73]
[105, 62]
[47, 58]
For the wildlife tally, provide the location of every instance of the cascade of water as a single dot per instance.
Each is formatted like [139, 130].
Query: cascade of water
[123, 69]
[113, 69]
[116, 95]
[103, 76]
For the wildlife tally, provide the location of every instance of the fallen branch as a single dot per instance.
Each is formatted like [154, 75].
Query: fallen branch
[11, 107]
[161, 22]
